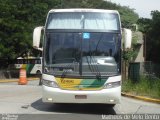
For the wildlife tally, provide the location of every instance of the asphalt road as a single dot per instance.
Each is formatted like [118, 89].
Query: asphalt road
[25, 100]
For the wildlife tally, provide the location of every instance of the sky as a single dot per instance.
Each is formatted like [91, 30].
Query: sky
[142, 7]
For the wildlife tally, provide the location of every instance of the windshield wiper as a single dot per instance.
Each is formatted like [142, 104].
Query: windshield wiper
[93, 68]
[92, 59]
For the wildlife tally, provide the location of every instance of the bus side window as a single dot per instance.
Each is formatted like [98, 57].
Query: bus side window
[38, 61]
[28, 61]
[25, 61]
[32, 61]
[20, 61]
[35, 61]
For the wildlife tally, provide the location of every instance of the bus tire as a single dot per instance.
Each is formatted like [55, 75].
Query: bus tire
[38, 72]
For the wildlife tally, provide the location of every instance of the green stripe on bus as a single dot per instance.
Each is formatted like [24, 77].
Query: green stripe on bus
[93, 83]
[29, 68]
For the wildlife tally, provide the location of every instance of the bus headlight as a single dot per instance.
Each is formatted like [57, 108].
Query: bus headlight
[112, 85]
[50, 83]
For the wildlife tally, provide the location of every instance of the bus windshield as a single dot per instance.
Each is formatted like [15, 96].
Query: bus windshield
[92, 52]
[83, 20]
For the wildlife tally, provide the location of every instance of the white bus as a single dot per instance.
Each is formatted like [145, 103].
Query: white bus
[82, 56]
[33, 65]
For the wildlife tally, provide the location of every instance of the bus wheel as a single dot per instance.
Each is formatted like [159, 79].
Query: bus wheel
[38, 72]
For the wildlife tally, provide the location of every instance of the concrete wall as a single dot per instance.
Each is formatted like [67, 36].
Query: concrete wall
[140, 57]
[140, 46]
[7, 74]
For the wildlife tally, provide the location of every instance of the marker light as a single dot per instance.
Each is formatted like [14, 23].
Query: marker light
[112, 84]
[50, 83]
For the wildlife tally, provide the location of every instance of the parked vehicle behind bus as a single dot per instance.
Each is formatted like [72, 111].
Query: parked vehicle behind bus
[33, 65]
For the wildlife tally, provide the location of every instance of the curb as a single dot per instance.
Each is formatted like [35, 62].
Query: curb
[16, 80]
[141, 98]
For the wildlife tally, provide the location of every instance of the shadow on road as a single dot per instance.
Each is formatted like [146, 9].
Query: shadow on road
[97, 109]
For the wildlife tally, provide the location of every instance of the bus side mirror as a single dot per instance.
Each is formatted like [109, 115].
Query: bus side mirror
[127, 38]
[37, 38]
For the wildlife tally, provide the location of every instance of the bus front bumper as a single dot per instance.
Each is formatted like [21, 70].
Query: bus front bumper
[104, 96]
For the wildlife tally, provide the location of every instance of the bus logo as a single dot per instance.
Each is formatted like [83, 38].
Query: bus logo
[67, 81]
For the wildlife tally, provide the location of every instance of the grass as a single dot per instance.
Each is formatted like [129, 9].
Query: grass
[143, 87]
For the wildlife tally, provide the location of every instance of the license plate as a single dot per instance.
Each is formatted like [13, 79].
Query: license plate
[80, 96]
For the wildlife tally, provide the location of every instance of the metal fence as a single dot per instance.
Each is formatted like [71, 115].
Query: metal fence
[7, 74]
[7, 69]
[151, 70]
[148, 69]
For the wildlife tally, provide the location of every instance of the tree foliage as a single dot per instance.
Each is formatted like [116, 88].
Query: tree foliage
[20, 17]
[151, 29]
